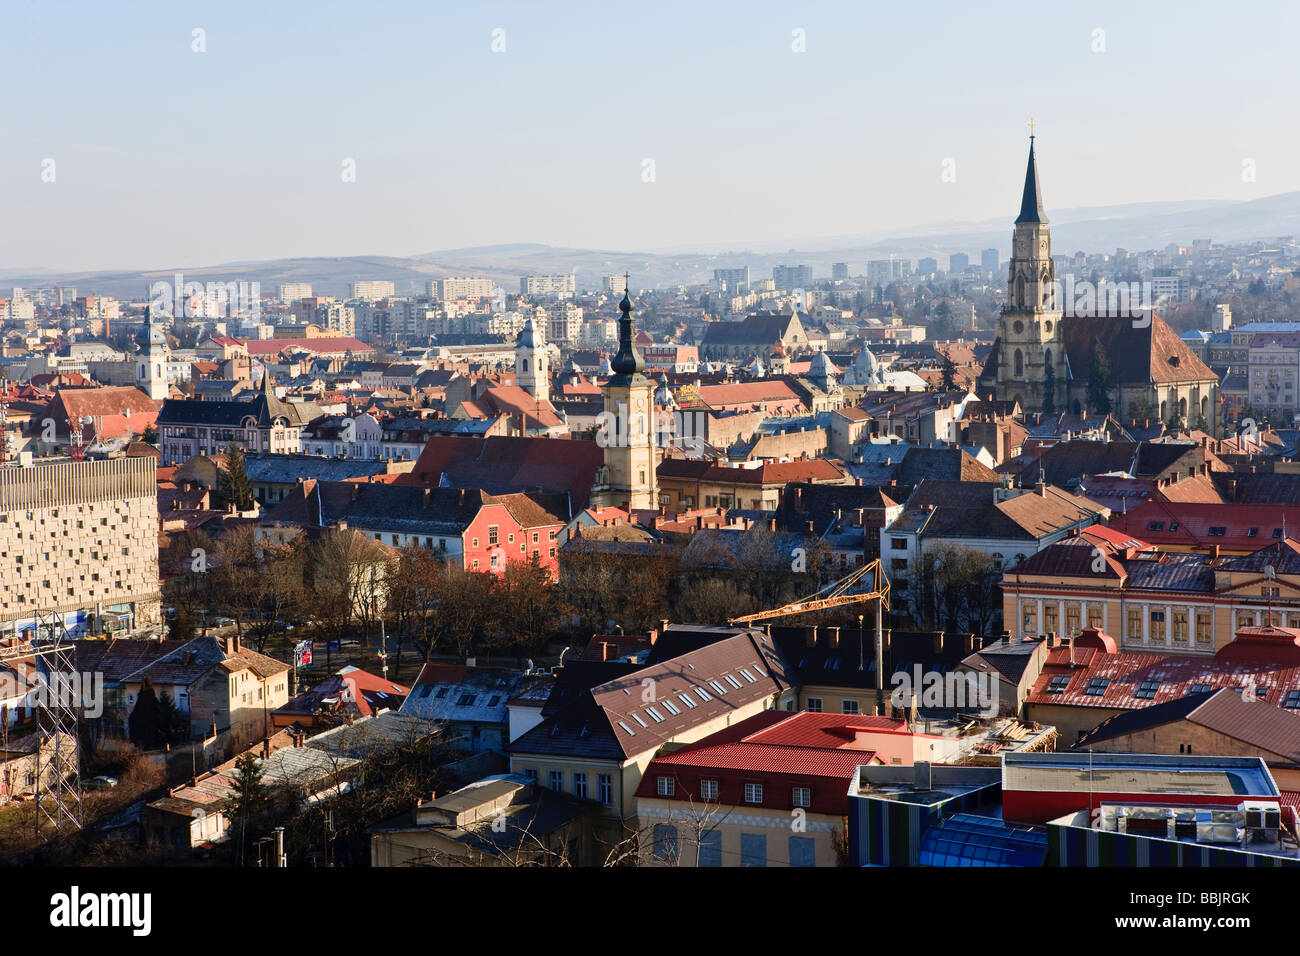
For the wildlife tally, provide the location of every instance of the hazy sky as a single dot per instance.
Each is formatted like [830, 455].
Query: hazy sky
[164, 157]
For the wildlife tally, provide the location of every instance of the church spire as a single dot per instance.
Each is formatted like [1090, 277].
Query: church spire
[1031, 204]
[628, 361]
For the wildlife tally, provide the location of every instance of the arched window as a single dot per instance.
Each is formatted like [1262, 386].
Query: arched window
[1019, 363]
[525, 365]
[1047, 358]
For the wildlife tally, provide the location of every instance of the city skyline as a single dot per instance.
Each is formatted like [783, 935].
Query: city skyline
[147, 145]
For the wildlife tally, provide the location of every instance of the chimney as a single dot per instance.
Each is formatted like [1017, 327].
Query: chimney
[771, 524]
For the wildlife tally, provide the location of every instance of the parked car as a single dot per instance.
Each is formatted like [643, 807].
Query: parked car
[223, 621]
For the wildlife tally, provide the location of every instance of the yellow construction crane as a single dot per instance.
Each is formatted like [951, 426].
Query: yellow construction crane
[833, 595]
[836, 595]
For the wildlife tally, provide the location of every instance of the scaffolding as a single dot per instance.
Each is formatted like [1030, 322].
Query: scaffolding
[58, 746]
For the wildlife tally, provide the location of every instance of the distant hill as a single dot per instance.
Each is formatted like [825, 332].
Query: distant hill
[1134, 226]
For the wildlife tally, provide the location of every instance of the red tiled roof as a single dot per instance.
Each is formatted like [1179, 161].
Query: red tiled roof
[1176, 674]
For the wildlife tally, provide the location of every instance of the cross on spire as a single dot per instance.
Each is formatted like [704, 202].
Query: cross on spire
[1032, 124]
[627, 282]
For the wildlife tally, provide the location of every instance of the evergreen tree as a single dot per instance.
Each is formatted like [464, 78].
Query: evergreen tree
[1099, 382]
[248, 805]
[173, 725]
[143, 724]
[236, 489]
[948, 382]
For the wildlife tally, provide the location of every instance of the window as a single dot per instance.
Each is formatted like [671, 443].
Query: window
[1200, 689]
[803, 851]
[1292, 700]
[493, 534]
[718, 687]
[753, 849]
[711, 848]
[1218, 531]
[898, 564]
[466, 700]
[802, 796]
[605, 789]
[689, 702]
[703, 694]
[709, 789]
[1147, 690]
[665, 843]
[1072, 619]
[557, 780]
[657, 717]
[637, 718]
[1058, 684]
[732, 681]
[848, 707]
[753, 793]
[1203, 632]
[1134, 624]
[670, 707]
[813, 704]
[1097, 686]
[748, 676]
[666, 787]
[898, 544]
[626, 729]
[580, 784]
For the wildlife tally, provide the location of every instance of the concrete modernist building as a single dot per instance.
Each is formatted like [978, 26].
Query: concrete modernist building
[561, 285]
[79, 544]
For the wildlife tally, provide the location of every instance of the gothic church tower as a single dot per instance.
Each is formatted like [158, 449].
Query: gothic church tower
[1029, 328]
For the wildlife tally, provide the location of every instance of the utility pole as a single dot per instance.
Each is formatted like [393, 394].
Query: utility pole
[383, 648]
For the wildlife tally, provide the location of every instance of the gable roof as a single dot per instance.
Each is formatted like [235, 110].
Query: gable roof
[1274, 729]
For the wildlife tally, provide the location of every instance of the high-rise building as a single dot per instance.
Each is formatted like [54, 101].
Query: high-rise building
[792, 277]
[957, 262]
[733, 280]
[839, 271]
[927, 266]
[561, 285]
[460, 287]
[372, 289]
[989, 260]
[290, 291]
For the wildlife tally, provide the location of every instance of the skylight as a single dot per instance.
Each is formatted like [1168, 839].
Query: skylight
[748, 676]
[1147, 690]
[718, 687]
[732, 681]
[626, 729]
[658, 717]
[1058, 684]
[703, 694]
[670, 707]
[1097, 686]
